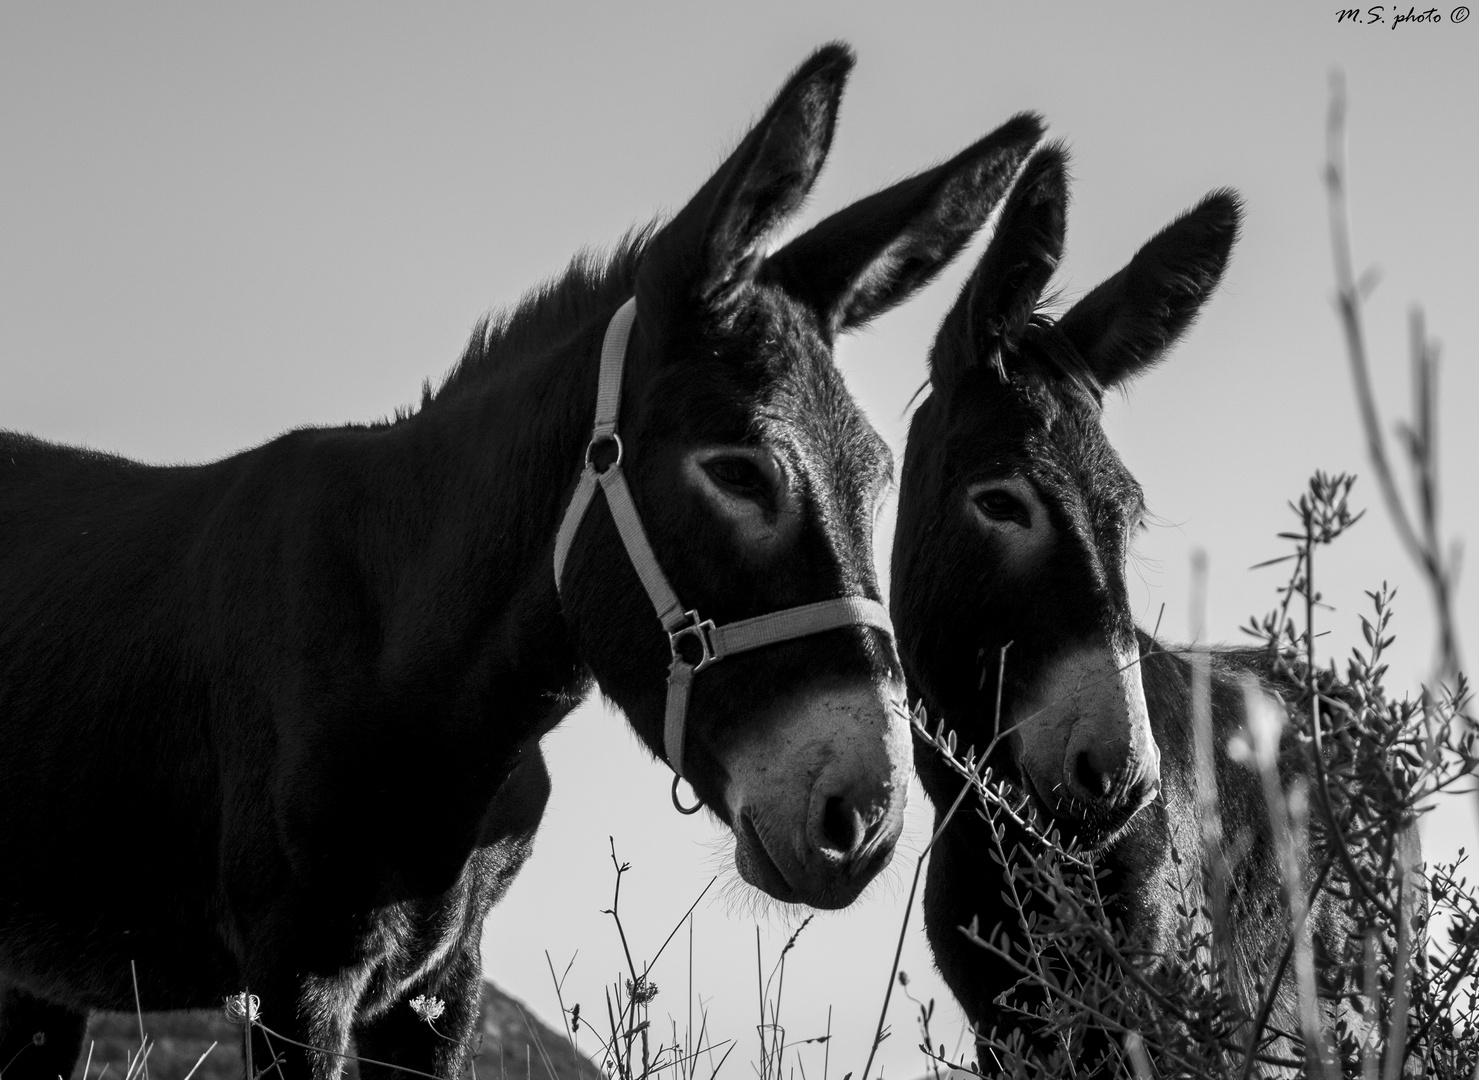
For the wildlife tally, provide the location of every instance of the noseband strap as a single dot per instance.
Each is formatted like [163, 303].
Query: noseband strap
[696, 643]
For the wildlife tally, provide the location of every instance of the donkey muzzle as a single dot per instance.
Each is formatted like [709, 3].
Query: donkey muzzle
[819, 804]
[1084, 738]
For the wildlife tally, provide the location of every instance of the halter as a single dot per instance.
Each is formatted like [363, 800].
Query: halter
[696, 643]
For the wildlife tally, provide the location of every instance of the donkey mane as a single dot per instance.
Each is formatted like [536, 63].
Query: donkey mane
[548, 313]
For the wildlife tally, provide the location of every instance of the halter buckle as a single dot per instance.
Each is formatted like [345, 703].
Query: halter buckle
[701, 631]
[600, 441]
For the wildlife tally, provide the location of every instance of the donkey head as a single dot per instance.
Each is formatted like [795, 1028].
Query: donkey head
[758, 479]
[1015, 513]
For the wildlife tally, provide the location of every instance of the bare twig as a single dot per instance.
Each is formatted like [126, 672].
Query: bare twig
[1421, 539]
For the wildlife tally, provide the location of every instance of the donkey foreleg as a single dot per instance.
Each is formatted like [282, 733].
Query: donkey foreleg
[432, 1028]
[301, 1026]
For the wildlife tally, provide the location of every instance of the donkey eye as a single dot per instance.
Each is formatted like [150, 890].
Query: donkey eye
[738, 475]
[1000, 505]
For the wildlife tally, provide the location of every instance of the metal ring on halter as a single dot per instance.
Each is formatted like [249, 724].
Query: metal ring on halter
[701, 631]
[599, 440]
[695, 808]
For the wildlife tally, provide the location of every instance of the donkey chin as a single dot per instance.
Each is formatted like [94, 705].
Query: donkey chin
[817, 806]
[1084, 744]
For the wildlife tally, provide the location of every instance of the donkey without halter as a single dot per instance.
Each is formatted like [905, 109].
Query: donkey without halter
[273, 722]
[1015, 517]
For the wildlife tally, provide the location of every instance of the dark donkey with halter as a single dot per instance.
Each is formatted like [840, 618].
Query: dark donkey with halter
[272, 723]
[1015, 519]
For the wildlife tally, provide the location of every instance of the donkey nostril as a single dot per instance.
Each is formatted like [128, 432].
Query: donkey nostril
[840, 826]
[1092, 781]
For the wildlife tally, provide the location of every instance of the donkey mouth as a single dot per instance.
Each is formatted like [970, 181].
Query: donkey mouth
[758, 867]
[1089, 828]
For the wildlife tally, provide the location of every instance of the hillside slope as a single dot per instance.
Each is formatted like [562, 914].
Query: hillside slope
[515, 1045]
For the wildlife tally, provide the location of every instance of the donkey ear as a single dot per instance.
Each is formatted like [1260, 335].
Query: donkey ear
[712, 241]
[998, 301]
[863, 260]
[1127, 322]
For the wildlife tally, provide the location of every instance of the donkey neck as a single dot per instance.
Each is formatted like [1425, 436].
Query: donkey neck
[487, 471]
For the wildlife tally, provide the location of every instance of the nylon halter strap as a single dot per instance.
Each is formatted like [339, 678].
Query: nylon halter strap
[688, 632]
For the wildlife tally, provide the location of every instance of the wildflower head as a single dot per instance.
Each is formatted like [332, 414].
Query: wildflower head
[243, 1008]
[427, 1007]
[642, 991]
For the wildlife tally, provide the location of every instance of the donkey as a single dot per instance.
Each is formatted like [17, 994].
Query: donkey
[1015, 519]
[271, 724]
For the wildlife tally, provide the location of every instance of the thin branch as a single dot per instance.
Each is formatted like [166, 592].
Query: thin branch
[1421, 540]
